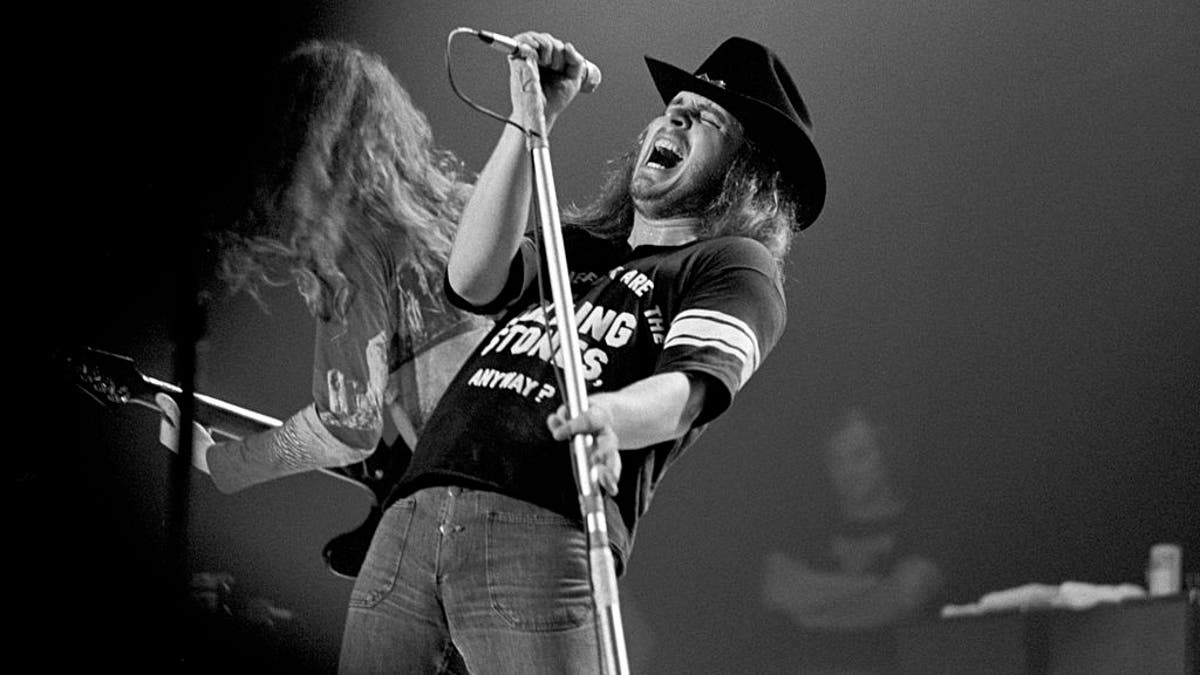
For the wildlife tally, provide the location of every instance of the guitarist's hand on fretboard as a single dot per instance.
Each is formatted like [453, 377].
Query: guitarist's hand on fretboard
[168, 432]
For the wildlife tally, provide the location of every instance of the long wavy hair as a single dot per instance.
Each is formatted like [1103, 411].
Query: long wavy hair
[753, 200]
[348, 163]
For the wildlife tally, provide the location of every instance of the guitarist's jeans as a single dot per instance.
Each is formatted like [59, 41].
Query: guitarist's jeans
[461, 580]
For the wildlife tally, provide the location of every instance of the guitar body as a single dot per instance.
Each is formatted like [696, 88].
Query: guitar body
[345, 553]
[112, 380]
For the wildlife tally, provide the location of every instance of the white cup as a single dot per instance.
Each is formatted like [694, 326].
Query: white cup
[1164, 575]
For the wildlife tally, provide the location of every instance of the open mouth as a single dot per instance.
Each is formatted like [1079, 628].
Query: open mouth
[664, 155]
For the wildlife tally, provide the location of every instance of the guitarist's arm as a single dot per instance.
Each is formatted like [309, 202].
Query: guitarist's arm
[302, 443]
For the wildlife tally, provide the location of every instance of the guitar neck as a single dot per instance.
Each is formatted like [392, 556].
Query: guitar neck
[227, 419]
[230, 420]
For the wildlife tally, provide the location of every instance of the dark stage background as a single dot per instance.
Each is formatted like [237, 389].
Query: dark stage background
[1004, 279]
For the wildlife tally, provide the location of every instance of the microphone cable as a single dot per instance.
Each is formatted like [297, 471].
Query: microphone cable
[466, 99]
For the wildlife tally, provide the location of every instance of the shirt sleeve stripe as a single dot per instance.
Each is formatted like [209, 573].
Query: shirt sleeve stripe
[704, 328]
[715, 319]
[722, 317]
[747, 369]
[723, 345]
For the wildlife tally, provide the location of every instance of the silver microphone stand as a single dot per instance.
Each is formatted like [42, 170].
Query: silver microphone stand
[609, 632]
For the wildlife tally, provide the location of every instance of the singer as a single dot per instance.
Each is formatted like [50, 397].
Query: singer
[480, 564]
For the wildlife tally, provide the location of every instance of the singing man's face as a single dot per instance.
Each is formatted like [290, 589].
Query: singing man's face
[683, 157]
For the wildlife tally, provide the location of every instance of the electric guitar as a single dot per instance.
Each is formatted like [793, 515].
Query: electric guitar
[113, 380]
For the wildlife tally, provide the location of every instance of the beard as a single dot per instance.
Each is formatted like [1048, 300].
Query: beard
[693, 202]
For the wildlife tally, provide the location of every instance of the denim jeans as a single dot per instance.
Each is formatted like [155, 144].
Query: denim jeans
[467, 581]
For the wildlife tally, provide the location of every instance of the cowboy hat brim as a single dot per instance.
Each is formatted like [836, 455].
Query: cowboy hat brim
[769, 128]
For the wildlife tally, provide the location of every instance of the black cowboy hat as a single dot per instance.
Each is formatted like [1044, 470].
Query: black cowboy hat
[750, 81]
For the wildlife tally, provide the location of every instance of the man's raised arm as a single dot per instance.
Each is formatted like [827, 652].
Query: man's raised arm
[494, 218]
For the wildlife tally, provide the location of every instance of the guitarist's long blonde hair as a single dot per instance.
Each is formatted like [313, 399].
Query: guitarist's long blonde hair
[350, 162]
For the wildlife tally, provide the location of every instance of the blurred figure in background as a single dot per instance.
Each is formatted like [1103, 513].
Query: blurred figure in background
[867, 576]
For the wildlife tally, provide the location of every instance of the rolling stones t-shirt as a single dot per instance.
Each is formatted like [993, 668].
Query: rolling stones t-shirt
[711, 309]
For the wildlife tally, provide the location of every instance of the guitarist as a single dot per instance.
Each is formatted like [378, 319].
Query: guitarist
[354, 204]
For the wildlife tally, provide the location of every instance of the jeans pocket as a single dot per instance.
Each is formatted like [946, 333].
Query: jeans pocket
[537, 571]
[381, 567]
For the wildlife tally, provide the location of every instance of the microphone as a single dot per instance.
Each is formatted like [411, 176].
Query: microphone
[510, 47]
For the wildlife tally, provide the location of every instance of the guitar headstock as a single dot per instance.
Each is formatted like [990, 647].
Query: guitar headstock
[109, 379]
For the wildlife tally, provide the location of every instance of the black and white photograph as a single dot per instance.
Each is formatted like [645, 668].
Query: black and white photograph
[808, 338]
